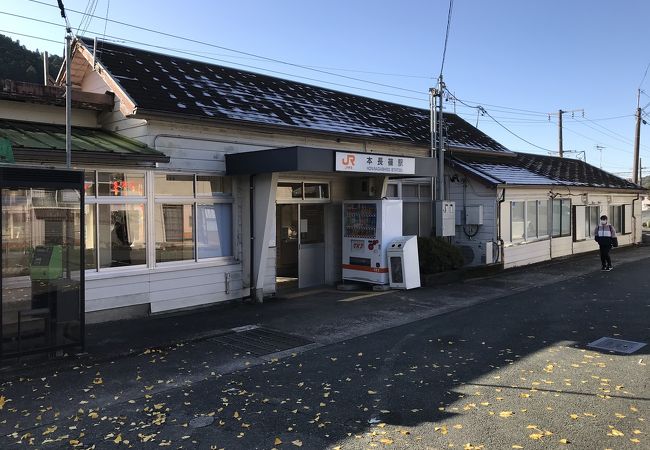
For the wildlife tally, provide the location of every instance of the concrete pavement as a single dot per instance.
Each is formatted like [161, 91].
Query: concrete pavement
[389, 383]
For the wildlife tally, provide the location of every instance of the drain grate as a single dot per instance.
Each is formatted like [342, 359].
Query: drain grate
[260, 341]
[616, 345]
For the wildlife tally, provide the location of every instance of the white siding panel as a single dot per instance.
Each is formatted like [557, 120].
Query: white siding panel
[521, 255]
[562, 246]
[116, 302]
[166, 288]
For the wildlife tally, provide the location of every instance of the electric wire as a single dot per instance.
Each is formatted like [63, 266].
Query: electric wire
[266, 58]
[484, 111]
[444, 51]
[159, 47]
[507, 110]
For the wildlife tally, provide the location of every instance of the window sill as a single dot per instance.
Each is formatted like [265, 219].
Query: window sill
[162, 268]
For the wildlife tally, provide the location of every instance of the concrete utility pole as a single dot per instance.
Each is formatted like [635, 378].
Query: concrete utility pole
[559, 123]
[441, 142]
[637, 139]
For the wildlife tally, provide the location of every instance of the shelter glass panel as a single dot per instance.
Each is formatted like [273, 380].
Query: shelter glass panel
[42, 294]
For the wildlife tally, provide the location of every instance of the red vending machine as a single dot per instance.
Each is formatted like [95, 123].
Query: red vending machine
[368, 227]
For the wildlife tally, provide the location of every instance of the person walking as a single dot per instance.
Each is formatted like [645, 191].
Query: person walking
[605, 235]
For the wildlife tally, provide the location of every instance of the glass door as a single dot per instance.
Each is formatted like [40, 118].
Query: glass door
[311, 247]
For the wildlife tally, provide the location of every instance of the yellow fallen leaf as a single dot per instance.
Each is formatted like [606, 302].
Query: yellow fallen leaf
[93, 415]
[118, 439]
[49, 430]
[458, 426]
[620, 416]
[574, 416]
[635, 440]
[236, 415]
[524, 395]
[505, 414]
[615, 432]
[3, 400]
[277, 441]
[297, 443]
[386, 441]
[536, 436]
[98, 380]
[517, 446]
[636, 431]
[564, 441]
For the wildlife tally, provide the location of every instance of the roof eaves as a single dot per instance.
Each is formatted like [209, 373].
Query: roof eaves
[128, 105]
[152, 114]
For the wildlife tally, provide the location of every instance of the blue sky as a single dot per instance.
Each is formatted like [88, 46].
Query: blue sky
[519, 59]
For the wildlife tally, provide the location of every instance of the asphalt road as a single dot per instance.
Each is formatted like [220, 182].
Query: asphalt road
[513, 372]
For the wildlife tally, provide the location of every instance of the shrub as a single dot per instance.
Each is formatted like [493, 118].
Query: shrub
[438, 255]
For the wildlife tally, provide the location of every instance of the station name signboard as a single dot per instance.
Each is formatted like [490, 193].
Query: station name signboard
[372, 163]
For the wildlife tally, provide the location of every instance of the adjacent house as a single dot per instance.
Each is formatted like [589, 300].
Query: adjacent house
[206, 183]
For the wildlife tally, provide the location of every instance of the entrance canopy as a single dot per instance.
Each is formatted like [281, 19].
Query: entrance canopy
[310, 159]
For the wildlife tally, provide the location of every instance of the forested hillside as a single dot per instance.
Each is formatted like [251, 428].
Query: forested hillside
[20, 64]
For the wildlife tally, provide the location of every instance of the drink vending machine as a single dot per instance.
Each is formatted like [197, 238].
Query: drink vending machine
[368, 227]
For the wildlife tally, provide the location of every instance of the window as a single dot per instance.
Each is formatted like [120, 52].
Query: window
[616, 217]
[517, 221]
[122, 236]
[416, 206]
[561, 217]
[528, 220]
[116, 229]
[302, 191]
[193, 217]
[592, 220]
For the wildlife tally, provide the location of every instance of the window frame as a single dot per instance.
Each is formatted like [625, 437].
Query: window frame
[561, 233]
[423, 188]
[527, 237]
[194, 201]
[94, 200]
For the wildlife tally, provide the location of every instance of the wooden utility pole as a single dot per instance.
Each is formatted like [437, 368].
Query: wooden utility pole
[637, 140]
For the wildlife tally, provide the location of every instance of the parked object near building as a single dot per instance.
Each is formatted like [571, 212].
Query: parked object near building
[404, 263]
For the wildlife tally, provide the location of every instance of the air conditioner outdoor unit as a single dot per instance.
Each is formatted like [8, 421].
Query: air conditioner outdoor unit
[476, 253]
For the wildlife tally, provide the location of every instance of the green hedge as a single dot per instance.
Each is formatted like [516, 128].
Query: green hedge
[438, 255]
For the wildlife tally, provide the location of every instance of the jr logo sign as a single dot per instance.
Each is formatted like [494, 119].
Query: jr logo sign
[348, 161]
[374, 163]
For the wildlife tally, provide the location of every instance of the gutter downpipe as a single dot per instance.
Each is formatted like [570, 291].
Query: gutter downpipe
[500, 241]
[638, 196]
[251, 200]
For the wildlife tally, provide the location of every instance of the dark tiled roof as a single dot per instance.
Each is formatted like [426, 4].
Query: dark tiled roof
[531, 169]
[169, 84]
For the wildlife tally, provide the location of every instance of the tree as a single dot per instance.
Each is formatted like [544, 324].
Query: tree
[20, 64]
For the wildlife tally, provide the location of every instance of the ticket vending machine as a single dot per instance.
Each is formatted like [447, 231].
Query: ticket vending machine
[404, 263]
[368, 228]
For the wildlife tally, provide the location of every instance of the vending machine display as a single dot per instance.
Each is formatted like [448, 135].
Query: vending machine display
[368, 228]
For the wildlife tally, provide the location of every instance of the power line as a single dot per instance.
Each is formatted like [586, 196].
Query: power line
[30, 36]
[159, 47]
[484, 111]
[444, 51]
[644, 75]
